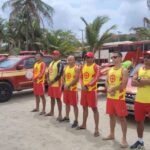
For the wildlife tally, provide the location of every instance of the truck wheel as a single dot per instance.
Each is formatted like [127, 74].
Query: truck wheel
[5, 91]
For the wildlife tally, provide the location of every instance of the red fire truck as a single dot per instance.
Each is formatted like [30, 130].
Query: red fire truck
[131, 50]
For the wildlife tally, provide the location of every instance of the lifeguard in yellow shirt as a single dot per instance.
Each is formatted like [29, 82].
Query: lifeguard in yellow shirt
[141, 80]
[70, 93]
[116, 89]
[38, 82]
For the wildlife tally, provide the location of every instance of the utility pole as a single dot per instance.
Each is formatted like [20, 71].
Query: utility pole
[119, 33]
[82, 33]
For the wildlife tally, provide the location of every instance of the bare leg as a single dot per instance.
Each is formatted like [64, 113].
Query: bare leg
[140, 129]
[67, 111]
[59, 104]
[85, 115]
[111, 136]
[124, 131]
[96, 119]
[76, 112]
[37, 102]
[43, 103]
[51, 113]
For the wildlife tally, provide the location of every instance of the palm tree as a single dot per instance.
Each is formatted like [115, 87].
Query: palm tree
[1, 28]
[92, 31]
[29, 11]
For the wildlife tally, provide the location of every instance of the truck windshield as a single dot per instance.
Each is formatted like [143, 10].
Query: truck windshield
[8, 63]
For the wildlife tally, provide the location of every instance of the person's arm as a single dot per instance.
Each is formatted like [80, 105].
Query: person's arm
[81, 75]
[42, 69]
[63, 76]
[96, 77]
[59, 73]
[138, 82]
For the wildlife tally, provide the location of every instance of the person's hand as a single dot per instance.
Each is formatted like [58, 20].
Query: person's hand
[111, 91]
[84, 88]
[66, 87]
[50, 82]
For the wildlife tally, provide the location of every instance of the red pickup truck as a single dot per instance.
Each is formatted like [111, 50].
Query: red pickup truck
[13, 70]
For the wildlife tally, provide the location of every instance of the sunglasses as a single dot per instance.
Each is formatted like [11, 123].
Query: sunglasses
[114, 57]
[146, 56]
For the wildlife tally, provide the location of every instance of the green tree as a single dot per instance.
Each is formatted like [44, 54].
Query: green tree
[65, 41]
[29, 11]
[92, 31]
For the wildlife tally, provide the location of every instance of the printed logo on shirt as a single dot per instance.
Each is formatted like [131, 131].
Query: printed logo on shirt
[112, 78]
[68, 76]
[86, 75]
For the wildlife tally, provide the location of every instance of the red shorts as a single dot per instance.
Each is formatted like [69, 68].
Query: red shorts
[116, 107]
[70, 97]
[54, 92]
[141, 109]
[89, 99]
[38, 89]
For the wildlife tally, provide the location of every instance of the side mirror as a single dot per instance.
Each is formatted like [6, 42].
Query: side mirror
[20, 67]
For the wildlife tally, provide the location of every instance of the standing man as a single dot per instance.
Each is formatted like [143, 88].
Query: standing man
[70, 79]
[116, 89]
[141, 80]
[89, 75]
[38, 82]
[55, 72]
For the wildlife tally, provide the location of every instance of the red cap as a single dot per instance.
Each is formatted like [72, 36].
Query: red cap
[56, 53]
[89, 54]
[147, 53]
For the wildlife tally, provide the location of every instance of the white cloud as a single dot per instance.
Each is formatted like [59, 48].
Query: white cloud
[124, 13]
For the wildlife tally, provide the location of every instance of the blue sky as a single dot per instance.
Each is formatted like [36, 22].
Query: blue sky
[124, 13]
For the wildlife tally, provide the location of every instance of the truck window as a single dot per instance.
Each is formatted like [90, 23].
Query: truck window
[29, 62]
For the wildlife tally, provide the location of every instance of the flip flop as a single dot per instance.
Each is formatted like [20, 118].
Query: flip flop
[108, 138]
[48, 114]
[59, 119]
[80, 128]
[42, 113]
[34, 110]
[123, 145]
[96, 134]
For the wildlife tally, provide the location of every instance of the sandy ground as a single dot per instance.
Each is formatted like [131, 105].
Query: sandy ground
[22, 130]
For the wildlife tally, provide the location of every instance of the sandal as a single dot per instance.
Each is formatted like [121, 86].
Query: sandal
[96, 134]
[59, 119]
[48, 114]
[42, 113]
[34, 110]
[80, 128]
[65, 119]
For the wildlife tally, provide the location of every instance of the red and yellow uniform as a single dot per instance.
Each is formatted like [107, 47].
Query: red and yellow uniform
[71, 95]
[142, 100]
[116, 103]
[39, 78]
[89, 76]
[54, 90]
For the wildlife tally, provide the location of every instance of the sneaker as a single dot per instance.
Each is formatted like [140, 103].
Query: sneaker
[137, 145]
[75, 124]
[65, 119]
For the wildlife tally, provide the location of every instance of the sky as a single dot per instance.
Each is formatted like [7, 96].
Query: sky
[123, 13]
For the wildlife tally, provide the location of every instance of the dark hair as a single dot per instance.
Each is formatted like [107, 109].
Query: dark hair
[118, 53]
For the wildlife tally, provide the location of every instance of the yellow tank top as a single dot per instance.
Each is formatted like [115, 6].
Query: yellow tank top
[37, 70]
[53, 70]
[70, 73]
[88, 73]
[114, 79]
[143, 93]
